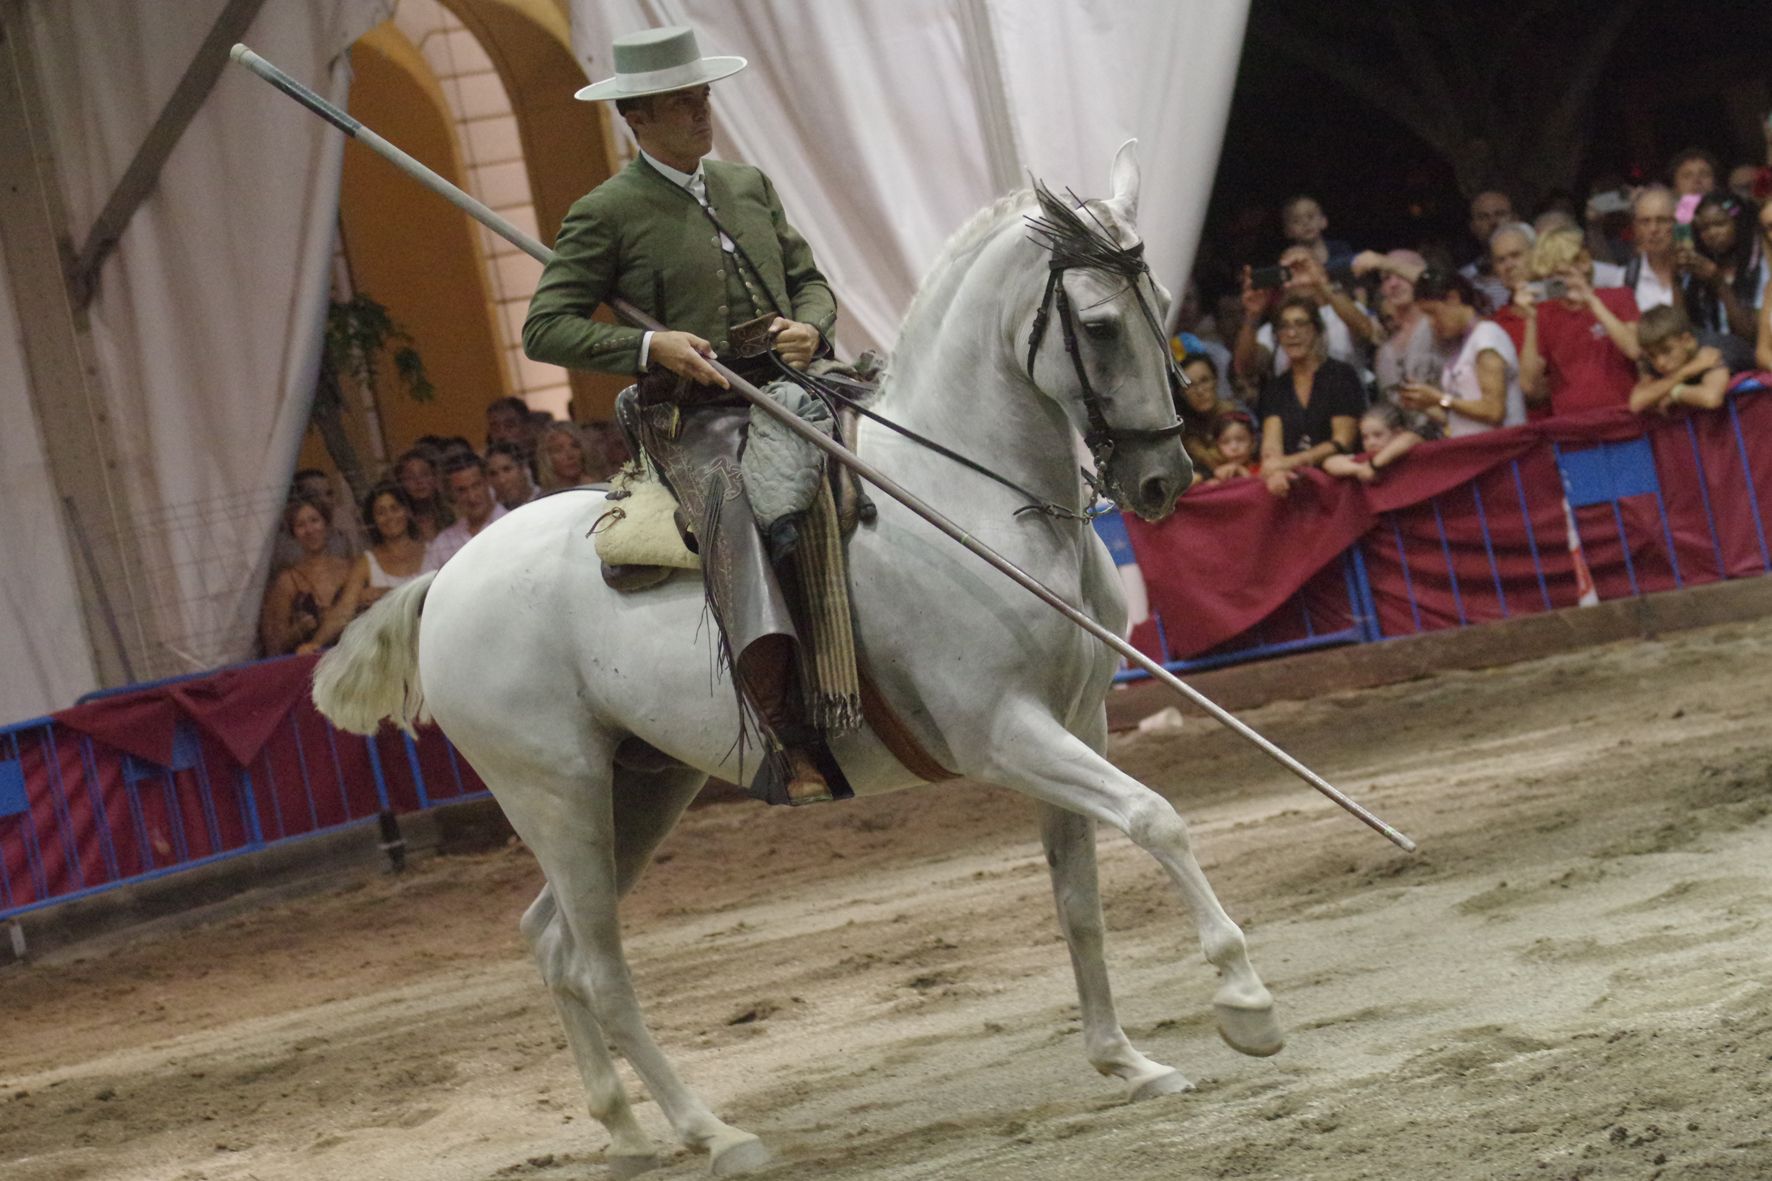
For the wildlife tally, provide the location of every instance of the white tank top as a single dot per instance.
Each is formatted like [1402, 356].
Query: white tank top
[381, 578]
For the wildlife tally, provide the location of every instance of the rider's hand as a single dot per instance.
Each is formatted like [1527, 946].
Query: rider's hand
[686, 355]
[795, 342]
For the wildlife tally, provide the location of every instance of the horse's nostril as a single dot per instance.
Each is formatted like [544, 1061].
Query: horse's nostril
[1155, 490]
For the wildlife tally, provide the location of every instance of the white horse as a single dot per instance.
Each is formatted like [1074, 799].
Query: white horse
[537, 671]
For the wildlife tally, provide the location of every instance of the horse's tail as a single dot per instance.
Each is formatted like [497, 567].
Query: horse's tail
[373, 673]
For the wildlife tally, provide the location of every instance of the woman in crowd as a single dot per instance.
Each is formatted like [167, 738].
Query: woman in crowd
[300, 594]
[1200, 408]
[1724, 267]
[1479, 388]
[561, 457]
[508, 473]
[419, 474]
[395, 556]
[1312, 410]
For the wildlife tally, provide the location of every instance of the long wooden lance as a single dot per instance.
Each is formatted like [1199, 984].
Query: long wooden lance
[634, 316]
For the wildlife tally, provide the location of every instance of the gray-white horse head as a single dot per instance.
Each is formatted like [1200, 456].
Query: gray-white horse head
[1096, 343]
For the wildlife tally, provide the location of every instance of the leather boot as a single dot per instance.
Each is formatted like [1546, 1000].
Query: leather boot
[767, 669]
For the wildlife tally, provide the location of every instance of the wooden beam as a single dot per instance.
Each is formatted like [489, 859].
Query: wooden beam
[66, 395]
[143, 173]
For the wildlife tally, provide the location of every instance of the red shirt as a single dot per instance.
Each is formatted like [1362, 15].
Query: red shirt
[1584, 369]
[1514, 325]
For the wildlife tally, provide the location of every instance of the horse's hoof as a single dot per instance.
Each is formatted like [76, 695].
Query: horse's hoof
[747, 1156]
[1173, 1083]
[623, 1167]
[1250, 1031]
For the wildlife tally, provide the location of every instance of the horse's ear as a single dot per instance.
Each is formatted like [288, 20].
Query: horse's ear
[1124, 180]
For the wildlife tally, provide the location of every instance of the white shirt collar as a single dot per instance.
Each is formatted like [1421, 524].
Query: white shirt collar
[687, 180]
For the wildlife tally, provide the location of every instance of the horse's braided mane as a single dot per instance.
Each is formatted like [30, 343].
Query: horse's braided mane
[1074, 242]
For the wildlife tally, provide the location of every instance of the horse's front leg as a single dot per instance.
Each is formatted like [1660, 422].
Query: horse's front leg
[1070, 854]
[1042, 760]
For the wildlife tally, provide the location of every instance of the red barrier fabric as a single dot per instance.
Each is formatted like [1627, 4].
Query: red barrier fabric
[168, 775]
[1461, 531]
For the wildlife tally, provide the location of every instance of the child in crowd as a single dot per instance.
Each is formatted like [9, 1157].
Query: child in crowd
[1384, 437]
[1233, 437]
[1681, 373]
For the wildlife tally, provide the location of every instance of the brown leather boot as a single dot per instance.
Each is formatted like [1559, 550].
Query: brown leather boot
[769, 675]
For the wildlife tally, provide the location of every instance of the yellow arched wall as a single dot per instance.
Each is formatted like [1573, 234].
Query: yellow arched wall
[413, 251]
[566, 144]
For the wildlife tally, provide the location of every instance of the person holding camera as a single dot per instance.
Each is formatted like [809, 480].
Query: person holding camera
[1723, 269]
[1479, 386]
[1579, 348]
[1345, 335]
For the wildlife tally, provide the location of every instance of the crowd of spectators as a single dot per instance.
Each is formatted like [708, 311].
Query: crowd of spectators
[1652, 297]
[332, 560]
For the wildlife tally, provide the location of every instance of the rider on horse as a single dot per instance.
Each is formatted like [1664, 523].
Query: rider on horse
[703, 245]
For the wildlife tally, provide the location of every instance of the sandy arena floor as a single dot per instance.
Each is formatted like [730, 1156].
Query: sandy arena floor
[1573, 979]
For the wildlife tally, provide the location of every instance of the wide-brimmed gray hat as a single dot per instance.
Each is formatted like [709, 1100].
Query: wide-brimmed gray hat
[658, 61]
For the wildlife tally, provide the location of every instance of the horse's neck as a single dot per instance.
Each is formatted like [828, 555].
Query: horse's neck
[962, 384]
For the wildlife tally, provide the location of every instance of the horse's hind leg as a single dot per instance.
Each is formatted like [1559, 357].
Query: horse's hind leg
[570, 827]
[1056, 767]
[1070, 854]
[647, 806]
[630, 1148]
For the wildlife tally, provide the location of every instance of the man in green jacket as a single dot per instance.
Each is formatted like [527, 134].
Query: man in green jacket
[705, 247]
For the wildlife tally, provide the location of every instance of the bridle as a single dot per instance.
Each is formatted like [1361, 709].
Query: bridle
[1074, 244]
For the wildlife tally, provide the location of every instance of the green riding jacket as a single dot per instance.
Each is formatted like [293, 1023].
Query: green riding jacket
[644, 238]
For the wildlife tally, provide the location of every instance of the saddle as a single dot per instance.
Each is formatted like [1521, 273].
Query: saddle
[803, 506]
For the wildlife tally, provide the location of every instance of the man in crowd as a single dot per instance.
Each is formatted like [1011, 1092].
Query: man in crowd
[704, 246]
[1652, 275]
[1490, 209]
[508, 421]
[1347, 334]
[470, 494]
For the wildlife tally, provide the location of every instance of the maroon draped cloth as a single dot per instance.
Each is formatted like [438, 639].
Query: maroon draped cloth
[1459, 531]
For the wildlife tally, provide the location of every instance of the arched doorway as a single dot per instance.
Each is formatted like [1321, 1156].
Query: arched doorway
[480, 91]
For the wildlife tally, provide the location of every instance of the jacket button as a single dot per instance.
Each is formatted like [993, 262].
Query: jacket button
[721, 309]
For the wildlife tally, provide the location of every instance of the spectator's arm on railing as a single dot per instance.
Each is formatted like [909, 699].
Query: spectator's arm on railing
[1701, 382]
[343, 609]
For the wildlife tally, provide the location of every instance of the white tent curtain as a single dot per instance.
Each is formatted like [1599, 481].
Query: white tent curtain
[207, 321]
[43, 642]
[886, 126]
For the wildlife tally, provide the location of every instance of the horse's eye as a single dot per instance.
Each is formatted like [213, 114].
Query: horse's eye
[1101, 330]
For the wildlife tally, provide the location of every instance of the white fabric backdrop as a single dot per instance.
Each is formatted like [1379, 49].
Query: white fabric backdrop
[43, 643]
[207, 321]
[884, 125]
